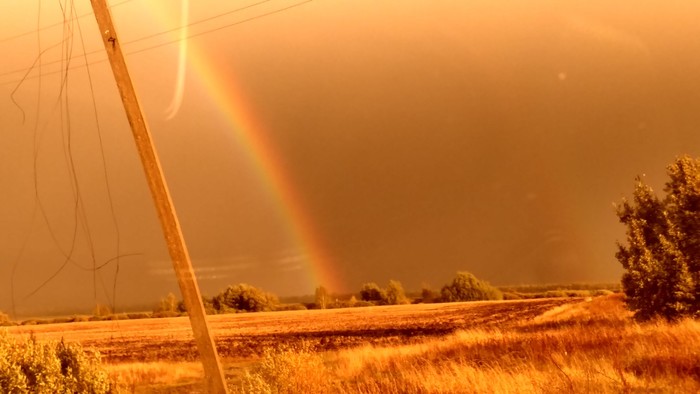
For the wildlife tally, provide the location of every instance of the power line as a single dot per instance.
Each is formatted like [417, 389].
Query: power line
[208, 19]
[26, 33]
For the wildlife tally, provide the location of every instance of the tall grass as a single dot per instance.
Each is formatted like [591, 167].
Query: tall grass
[586, 347]
[132, 377]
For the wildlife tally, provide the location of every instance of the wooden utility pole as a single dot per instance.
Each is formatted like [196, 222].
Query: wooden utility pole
[161, 197]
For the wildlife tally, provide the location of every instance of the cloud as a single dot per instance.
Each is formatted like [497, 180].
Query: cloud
[206, 269]
[291, 261]
[607, 34]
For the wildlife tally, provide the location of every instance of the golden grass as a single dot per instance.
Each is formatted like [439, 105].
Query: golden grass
[247, 335]
[533, 346]
[133, 377]
[586, 347]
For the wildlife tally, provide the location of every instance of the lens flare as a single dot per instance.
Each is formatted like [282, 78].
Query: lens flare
[179, 93]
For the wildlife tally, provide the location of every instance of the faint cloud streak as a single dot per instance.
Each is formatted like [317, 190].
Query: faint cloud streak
[179, 93]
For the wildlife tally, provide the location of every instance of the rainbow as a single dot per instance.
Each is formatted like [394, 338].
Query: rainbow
[248, 132]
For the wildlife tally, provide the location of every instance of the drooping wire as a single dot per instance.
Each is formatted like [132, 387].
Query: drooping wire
[79, 211]
[158, 34]
[164, 43]
[80, 218]
[105, 172]
[40, 29]
[25, 241]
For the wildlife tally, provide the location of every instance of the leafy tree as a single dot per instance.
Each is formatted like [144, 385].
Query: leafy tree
[244, 297]
[662, 255]
[208, 306]
[372, 292]
[428, 295]
[101, 310]
[395, 294]
[168, 304]
[322, 297]
[466, 287]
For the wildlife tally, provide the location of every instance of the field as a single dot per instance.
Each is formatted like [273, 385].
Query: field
[543, 345]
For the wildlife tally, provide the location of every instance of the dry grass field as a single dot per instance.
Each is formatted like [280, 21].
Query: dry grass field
[538, 346]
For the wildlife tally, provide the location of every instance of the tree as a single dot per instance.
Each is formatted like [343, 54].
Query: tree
[395, 294]
[244, 297]
[662, 255]
[4, 319]
[322, 297]
[372, 292]
[466, 287]
[427, 295]
[168, 304]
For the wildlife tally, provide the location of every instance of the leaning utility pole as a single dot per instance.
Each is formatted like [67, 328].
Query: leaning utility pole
[161, 197]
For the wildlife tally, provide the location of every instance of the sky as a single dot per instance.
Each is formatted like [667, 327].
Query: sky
[334, 142]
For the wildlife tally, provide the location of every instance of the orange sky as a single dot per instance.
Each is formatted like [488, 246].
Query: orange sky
[420, 137]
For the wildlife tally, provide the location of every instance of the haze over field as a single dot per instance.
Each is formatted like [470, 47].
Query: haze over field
[399, 140]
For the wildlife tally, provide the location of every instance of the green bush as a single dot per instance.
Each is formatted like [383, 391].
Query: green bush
[555, 294]
[244, 298]
[5, 320]
[373, 293]
[361, 304]
[395, 294]
[466, 287]
[507, 295]
[428, 295]
[168, 303]
[139, 315]
[287, 369]
[28, 366]
[290, 307]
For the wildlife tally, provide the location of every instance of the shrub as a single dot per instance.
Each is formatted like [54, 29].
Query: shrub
[244, 297]
[372, 292]
[139, 315]
[290, 307]
[662, 255]
[395, 294]
[101, 310]
[511, 296]
[555, 294]
[5, 320]
[466, 287]
[31, 366]
[288, 369]
[428, 295]
[168, 303]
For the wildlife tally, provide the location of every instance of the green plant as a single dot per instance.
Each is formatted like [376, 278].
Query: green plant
[5, 320]
[101, 311]
[168, 303]
[466, 287]
[662, 255]
[244, 297]
[287, 369]
[31, 366]
[322, 298]
[373, 293]
[395, 294]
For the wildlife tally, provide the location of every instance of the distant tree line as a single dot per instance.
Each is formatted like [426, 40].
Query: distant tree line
[246, 298]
